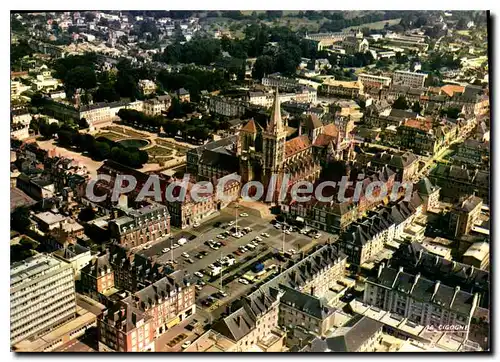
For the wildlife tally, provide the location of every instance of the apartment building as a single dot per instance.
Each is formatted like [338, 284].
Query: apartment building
[373, 81]
[478, 255]
[276, 80]
[417, 260]
[340, 88]
[359, 334]
[405, 164]
[227, 107]
[364, 239]
[410, 79]
[306, 311]
[142, 225]
[97, 277]
[422, 301]
[76, 255]
[147, 86]
[464, 215]
[42, 296]
[133, 324]
[429, 194]
[457, 182]
[158, 105]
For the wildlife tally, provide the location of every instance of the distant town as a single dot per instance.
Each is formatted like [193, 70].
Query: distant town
[352, 149]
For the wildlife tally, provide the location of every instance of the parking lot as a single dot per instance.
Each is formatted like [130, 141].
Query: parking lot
[196, 261]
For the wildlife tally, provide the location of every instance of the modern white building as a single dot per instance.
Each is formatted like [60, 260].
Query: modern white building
[42, 296]
[410, 79]
[369, 80]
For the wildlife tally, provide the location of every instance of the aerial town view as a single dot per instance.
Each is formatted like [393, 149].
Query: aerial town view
[250, 181]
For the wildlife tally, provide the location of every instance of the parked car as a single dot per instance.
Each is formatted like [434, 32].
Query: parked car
[147, 247]
[198, 287]
[165, 250]
[196, 224]
[243, 214]
[243, 281]
[175, 246]
[186, 255]
[217, 224]
[190, 261]
[198, 274]
[266, 235]
[231, 223]
[220, 236]
[204, 253]
[199, 256]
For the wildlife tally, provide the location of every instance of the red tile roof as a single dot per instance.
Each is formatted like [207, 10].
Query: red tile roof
[449, 89]
[250, 127]
[330, 130]
[296, 145]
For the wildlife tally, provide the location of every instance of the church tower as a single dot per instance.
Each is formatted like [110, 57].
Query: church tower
[274, 138]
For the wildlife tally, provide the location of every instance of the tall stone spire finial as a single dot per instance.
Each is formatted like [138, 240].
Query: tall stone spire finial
[275, 122]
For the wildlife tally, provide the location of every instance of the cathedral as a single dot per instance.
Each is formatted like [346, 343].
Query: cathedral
[263, 152]
[257, 153]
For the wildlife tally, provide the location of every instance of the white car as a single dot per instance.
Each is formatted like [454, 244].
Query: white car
[237, 235]
[266, 235]
[220, 236]
[199, 287]
[198, 274]
[243, 214]
[186, 344]
[186, 255]
[277, 226]
[231, 223]
[258, 238]
[182, 241]
[243, 281]
[147, 247]
[196, 224]
[165, 250]
[317, 236]
[255, 242]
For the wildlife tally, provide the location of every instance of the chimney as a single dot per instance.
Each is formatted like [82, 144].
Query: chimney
[134, 318]
[436, 287]
[380, 268]
[123, 201]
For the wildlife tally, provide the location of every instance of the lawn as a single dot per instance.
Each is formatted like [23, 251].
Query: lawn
[376, 25]
[169, 144]
[110, 136]
[157, 151]
[126, 132]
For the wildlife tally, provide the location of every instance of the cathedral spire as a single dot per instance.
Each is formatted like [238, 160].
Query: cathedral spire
[275, 124]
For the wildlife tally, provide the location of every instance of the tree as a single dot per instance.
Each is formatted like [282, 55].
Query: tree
[400, 103]
[80, 77]
[417, 108]
[86, 214]
[19, 219]
[263, 65]
[82, 123]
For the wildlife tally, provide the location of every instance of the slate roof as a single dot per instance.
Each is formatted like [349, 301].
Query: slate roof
[415, 259]
[397, 160]
[425, 187]
[424, 289]
[312, 122]
[309, 304]
[353, 335]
